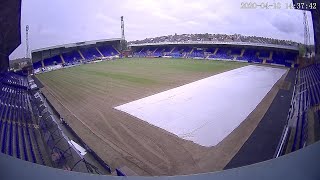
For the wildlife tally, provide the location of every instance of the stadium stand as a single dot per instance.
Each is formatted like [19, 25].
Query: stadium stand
[151, 50]
[108, 51]
[142, 52]
[299, 132]
[28, 131]
[167, 50]
[19, 132]
[14, 80]
[179, 51]
[197, 53]
[278, 57]
[264, 54]
[253, 55]
[73, 54]
[235, 51]
[310, 78]
[210, 50]
[159, 51]
[175, 53]
[37, 65]
[214, 37]
[222, 53]
[52, 61]
[71, 57]
[90, 53]
[250, 55]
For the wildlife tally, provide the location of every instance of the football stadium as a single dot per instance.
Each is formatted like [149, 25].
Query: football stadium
[206, 105]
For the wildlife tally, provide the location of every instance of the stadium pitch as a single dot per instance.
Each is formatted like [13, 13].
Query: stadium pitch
[198, 112]
[86, 96]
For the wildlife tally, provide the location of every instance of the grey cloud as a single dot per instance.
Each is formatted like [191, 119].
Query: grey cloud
[285, 24]
[80, 20]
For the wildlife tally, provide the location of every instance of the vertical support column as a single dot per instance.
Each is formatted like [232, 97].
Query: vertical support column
[81, 55]
[154, 51]
[188, 53]
[116, 49]
[42, 63]
[270, 56]
[99, 52]
[191, 51]
[172, 49]
[242, 52]
[62, 58]
[215, 51]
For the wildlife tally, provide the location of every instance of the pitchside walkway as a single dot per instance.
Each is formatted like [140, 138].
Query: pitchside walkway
[37, 82]
[263, 142]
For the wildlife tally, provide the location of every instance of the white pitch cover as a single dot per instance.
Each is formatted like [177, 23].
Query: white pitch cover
[207, 110]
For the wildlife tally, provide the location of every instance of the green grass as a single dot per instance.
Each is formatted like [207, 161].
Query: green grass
[130, 77]
[90, 92]
[141, 71]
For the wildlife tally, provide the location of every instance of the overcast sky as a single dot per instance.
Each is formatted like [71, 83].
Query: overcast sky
[66, 21]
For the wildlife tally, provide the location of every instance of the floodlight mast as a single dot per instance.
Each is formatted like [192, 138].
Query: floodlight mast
[306, 34]
[122, 29]
[27, 41]
[123, 44]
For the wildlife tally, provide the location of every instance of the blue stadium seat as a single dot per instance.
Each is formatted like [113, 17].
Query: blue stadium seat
[179, 51]
[197, 53]
[235, 51]
[71, 57]
[13, 98]
[37, 65]
[24, 144]
[17, 142]
[264, 54]
[10, 149]
[277, 58]
[4, 138]
[108, 51]
[222, 53]
[30, 146]
[210, 50]
[90, 53]
[37, 144]
[52, 61]
[306, 96]
[159, 51]
[249, 55]
[1, 126]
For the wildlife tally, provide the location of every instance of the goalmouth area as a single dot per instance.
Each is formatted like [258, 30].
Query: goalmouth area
[180, 116]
